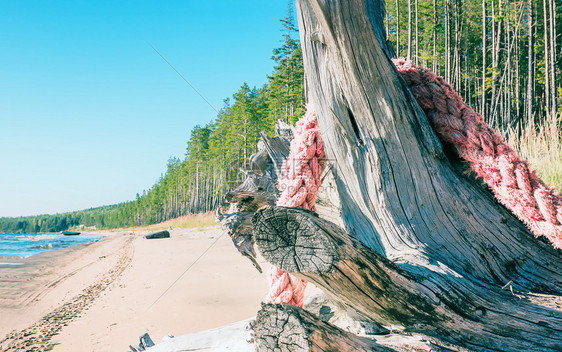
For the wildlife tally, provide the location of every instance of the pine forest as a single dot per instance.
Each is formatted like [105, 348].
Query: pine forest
[503, 57]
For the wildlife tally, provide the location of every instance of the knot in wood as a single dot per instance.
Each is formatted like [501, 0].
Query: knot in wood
[318, 36]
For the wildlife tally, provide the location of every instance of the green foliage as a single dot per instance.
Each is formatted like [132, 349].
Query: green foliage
[451, 37]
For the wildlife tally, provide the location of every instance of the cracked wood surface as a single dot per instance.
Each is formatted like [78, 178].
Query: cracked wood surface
[284, 327]
[399, 193]
[440, 304]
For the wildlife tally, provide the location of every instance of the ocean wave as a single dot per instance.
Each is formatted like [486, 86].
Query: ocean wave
[25, 245]
[40, 237]
[30, 237]
[43, 246]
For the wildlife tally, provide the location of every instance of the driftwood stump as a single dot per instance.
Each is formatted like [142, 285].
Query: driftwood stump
[424, 250]
[438, 303]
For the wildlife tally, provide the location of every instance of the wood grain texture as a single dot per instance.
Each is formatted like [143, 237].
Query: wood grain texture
[399, 193]
[446, 307]
[283, 327]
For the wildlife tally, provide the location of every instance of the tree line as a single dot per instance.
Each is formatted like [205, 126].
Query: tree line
[500, 55]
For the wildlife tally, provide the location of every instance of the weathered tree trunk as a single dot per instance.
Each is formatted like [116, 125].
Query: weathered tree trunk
[399, 193]
[425, 248]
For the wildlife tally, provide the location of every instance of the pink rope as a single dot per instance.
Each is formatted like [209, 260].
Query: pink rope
[514, 184]
[299, 189]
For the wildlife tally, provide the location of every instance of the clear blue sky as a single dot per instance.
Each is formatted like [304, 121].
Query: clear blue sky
[90, 114]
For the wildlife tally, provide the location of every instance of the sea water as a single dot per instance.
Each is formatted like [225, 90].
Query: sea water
[28, 244]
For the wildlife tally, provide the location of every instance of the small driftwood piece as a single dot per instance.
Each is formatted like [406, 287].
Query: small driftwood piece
[145, 342]
[257, 191]
[284, 327]
[158, 234]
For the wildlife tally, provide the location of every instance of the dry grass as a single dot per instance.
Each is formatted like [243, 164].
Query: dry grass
[542, 147]
[185, 222]
[189, 221]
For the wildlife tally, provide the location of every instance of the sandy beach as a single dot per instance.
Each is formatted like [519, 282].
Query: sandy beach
[103, 296]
